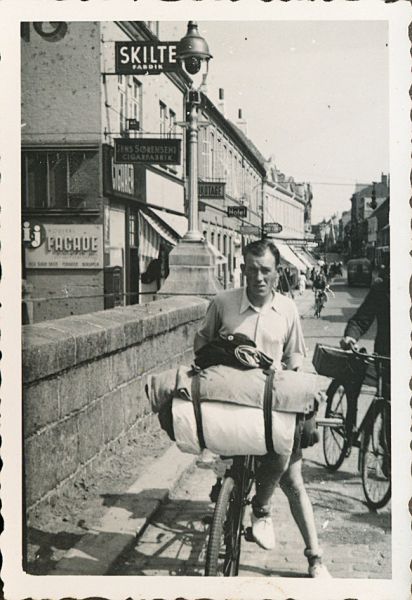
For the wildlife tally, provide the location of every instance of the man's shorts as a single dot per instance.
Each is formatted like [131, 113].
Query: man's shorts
[296, 449]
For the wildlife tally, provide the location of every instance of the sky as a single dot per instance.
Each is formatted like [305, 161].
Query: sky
[314, 95]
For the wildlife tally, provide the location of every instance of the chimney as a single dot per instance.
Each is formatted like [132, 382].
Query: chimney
[241, 123]
[384, 179]
[221, 105]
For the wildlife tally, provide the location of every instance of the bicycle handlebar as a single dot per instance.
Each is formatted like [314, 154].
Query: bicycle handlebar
[361, 353]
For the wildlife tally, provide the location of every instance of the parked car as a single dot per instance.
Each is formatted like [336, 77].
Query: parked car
[359, 271]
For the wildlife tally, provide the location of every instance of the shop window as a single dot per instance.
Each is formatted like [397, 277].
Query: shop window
[133, 230]
[58, 179]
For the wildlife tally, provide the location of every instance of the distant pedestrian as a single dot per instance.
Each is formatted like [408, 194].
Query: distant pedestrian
[302, 282]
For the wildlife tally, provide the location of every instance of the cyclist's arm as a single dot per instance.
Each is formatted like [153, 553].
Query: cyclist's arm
[364, 316]
[294, 349]
[209, 328]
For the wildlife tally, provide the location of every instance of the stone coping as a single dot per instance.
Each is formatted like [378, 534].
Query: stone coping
[53, 346]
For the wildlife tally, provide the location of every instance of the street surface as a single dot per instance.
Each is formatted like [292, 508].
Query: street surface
[356, 541]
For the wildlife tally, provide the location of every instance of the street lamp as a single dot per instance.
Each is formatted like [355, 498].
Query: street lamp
[193, 54]
[192, 263]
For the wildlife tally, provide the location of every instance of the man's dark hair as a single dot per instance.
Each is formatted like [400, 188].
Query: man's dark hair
[259, 248]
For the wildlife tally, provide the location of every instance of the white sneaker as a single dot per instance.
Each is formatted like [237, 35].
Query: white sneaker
[263, 533]
[319, 570]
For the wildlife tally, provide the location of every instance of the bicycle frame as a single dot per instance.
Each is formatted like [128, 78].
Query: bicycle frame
[372, 436]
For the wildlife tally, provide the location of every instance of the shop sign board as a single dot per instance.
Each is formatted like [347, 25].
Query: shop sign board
[213, 190]
[273, 227]
[71, 246]
[237, 211]
[249, 230]
[137, 58]
[150, 150]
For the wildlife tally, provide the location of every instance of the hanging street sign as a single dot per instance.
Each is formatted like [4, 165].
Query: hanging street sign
[138, 58]
[272, 227]
[249, 230]
[237, 211]
[133, 124]
[214, 190]
[149, 150]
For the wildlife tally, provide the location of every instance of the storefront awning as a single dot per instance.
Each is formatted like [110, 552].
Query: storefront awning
[301, 255]
[176, 222]
[287, 254]
[161, 230]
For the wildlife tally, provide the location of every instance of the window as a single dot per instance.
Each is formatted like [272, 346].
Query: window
[136, 102]
[59, 179]
[172, 122]
[212, 155]
[122, 111]
[163, 119]
[132, 230]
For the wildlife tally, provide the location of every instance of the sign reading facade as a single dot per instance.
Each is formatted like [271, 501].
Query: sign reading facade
[149, 150]
[237, 211]
[63, 246]
[135, 57]
[214, 190]
[273, 227]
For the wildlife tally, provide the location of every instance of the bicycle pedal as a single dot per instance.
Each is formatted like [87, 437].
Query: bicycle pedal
[249, 535]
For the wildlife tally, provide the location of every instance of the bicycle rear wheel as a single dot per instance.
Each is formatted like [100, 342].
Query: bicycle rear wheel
[376, 456]
[336, 442]
[223, 549]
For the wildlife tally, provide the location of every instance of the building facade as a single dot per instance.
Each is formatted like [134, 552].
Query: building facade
[97, 230]
[74, 106]
[364, 201]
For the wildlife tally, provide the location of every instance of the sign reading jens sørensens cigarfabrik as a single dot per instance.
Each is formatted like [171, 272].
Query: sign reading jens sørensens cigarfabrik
[147, 150]
[133, 58]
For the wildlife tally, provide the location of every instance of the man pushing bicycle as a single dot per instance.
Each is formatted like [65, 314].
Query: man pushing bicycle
[272, 321]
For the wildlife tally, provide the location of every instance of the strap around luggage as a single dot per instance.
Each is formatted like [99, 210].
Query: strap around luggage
[196, 408]
[267, 409]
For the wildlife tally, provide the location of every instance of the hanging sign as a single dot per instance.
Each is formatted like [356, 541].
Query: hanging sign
[214, 190]
[237, 211]
[273, 227]
[138, 58]
[149, 150]
[249, 230]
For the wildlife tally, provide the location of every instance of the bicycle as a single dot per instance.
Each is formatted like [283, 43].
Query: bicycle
[232, 495]
[372, 436]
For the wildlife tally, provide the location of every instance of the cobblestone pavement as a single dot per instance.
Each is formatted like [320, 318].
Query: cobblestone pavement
[356, 541]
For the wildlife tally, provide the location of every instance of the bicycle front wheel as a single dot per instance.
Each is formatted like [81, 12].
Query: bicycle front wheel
[335, 438]
[223, 549]
[376, 456]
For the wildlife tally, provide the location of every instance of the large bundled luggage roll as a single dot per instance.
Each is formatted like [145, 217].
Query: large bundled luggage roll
[232, 411]
[231, 429]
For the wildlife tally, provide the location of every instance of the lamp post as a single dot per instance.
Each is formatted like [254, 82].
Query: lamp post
[194, 56]
[191, 262]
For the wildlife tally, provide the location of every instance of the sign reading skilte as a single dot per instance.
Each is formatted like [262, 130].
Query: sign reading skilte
[135, 57]
[149, 150]
[237, 211]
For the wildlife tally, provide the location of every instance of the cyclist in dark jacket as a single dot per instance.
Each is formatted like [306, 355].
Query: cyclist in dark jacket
[375, 305]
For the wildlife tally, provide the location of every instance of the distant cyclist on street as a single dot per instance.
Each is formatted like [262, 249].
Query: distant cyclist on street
[272, 321]
[321, 289]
